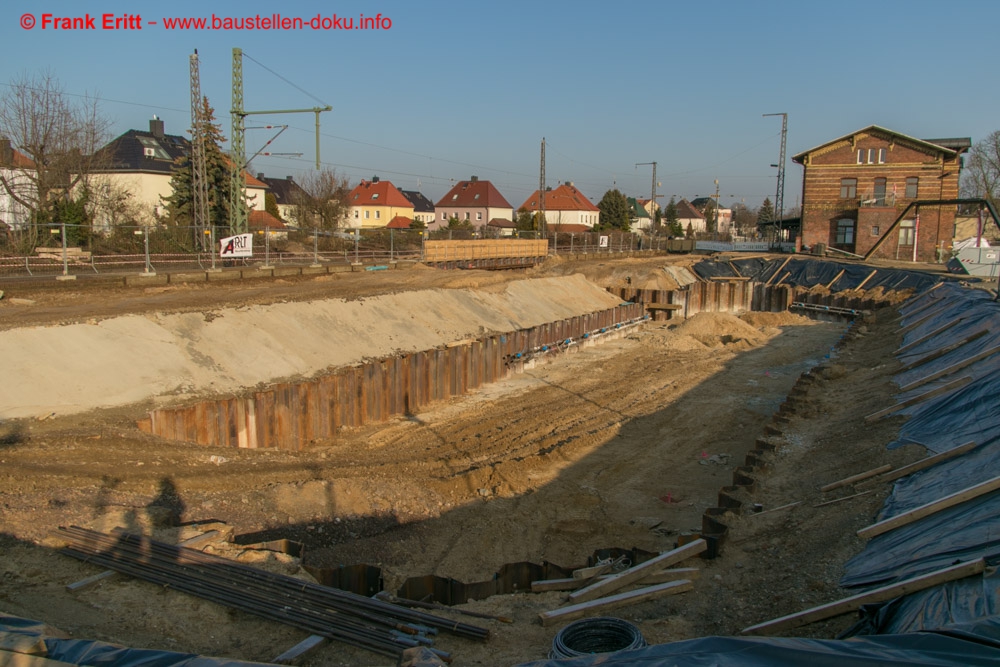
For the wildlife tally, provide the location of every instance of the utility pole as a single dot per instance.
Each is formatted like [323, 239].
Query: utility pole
[541, 193]
[779, 196]
[237, 200]
[199, 178]
[717, 209]
[652, 195]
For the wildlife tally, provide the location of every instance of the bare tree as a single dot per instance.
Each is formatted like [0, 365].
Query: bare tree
[59, 135]
[324, 205]
[982, 170]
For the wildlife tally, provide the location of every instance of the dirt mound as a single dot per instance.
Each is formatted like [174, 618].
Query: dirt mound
[714, 329]
[785, 319]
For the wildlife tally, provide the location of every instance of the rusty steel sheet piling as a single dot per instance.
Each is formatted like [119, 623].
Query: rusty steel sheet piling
[293, 415]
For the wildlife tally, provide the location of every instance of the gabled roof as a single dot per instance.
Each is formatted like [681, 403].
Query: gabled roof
[474, 193]
[377, 193]
[264, 220]
[421, 204]
[637, 210]
[14, 159]
[685, 211]
[399, 222]
[143, 151]
[564, 198]
[502, 223]
[948, 147]
[285, 190]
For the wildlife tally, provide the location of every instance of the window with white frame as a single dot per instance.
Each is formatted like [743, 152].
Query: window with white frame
[378, 214]
[907, 229]
[479, 215]
[367, 213]
[881, 155]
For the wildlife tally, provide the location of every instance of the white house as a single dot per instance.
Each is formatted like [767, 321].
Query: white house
[14, 174]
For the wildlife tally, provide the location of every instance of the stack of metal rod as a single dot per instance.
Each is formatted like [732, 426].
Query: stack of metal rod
[375, 625]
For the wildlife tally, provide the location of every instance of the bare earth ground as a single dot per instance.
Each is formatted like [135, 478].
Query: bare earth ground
[571, 456]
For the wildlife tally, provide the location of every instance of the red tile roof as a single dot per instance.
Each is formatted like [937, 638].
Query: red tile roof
[22, 161]
[564, 198]
[264, 220]
[380, 193]
[569, 229]
[474, 193]
[503, 223]
[399, 222]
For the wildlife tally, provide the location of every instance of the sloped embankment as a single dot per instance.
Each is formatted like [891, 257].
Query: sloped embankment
[124, 360]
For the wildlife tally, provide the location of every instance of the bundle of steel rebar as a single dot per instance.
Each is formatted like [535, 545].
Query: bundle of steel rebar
[356, 620]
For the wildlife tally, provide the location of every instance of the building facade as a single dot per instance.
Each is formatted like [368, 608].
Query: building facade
[474, 200]
[375, 203]
[856, 186]
[18, 183]
[566, 208]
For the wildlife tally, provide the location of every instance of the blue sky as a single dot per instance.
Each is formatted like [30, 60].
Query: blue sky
[453, 89]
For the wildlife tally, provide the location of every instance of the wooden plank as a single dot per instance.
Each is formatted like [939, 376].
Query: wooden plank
[943, 389]
[620, 600]
[851, 604]
[622, 579]
[310, 643]
[951, 369]
[840, 500]
[928, 462]
[663, 306]
[787, 273]
[857, 478]
[778, 271]
[90, 581]
[940, 352]
[934, 312]
[865, 281]
[930, 508]
[729, 279]
[591, 572]
[939, 330]
[570, 584]
[198, 541]
[835, 279]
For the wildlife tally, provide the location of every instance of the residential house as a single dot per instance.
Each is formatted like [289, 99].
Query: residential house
[288, 195]
[639, 218]
[374, 203]
[650, 206]
[856, 186]
[14, 168]
[474, 200]
[142, 164]
[724, 224]
[400, 222]
[262, 222]
[690, 218]
[566, 209]
[423, 208]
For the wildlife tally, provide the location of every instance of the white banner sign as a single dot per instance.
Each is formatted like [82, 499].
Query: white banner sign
[602, 241]
[240, 245]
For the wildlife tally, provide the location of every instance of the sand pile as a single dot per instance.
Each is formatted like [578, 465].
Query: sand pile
[715, 329]
[783, 319]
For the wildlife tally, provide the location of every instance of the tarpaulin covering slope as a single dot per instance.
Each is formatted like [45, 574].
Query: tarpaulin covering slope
[957, 605]
[881, 651]
[811, 272]
[86, 652]
[970, 413]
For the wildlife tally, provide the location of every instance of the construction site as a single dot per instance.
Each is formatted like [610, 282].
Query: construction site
[746, 460]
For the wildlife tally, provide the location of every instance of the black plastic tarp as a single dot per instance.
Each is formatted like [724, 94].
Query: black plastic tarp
[961, 533]
[708, 269]
[923, 648]
[88, 652]
[969, 606]
[943, 479]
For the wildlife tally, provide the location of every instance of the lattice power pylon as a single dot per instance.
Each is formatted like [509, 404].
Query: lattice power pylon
[779, 195]
[199, 178]
[238, 218]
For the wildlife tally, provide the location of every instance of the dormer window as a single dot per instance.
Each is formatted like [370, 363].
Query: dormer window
[454, 197]
[477, 196]
[374, 195]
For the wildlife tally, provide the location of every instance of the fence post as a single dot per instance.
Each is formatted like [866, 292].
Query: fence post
[391, 242]
[145, 242]
[65, 258]
[357, 237]
[315, 248]
[211, 237]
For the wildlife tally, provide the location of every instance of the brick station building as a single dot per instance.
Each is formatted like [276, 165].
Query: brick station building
[856, 186]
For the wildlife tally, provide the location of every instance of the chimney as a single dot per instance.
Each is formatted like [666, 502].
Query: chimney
[260, 176]
[156, 127]
[474, 179]
[290, 178]
[374, 179]
[6, 153]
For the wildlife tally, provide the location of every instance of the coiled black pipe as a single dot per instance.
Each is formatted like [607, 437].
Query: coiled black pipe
[596, 635]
